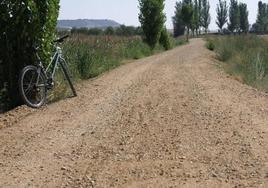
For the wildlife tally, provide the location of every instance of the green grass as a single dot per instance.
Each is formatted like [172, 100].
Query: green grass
[245, 57]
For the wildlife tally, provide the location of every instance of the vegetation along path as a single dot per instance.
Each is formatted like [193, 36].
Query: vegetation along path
[173, 119]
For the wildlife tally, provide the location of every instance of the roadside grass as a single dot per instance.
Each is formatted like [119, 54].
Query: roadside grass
[90, 56]
[245, 58]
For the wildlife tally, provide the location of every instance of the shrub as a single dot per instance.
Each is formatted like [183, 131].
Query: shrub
[210, 45]
[24, 24]
[164, 39]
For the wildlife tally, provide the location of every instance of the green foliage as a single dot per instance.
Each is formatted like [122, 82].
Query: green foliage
[178, 24]
[109, 31]
[246, 57]
[187, 14]
[244, 24]
[89, 56]
[261, 25]
[222, 14]
[119, 31]
[234, 16]
[88, 31]
[126, 31]
[195, 25]
[191, 15]
[24, 24]
[152, 20]
[165, 39]
[210, 45]
[205, 15]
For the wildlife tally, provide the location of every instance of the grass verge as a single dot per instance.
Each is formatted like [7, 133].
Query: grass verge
[245, 58]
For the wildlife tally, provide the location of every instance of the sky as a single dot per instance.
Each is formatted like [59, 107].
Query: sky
[126, 11]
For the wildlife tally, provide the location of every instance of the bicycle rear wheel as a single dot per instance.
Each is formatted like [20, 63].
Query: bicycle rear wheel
[32, 87]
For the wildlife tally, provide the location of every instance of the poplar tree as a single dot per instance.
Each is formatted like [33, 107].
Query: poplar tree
[234, 20]
[196, 17]
[187, 15]
[244, 23]
[262, 18]
[178, 24]
[152, 20]
[222, 14]
[205, 15]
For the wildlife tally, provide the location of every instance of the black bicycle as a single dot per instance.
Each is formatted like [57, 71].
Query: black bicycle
[35, 81]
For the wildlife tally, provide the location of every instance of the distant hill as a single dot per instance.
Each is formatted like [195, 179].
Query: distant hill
[88, 23]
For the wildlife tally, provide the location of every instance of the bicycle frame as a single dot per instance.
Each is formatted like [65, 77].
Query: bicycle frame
[55, 59]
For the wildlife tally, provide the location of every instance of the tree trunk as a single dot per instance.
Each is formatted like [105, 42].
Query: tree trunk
[188, 31]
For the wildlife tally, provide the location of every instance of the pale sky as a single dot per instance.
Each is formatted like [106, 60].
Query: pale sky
[126, 11]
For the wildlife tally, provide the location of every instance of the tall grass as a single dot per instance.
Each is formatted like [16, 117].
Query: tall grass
[90, 56]
[245, 57]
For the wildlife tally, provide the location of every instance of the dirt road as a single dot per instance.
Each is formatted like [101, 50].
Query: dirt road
[170, 120]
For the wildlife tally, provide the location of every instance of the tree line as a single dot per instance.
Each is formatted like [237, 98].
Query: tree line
[193, 16]
[118, 31]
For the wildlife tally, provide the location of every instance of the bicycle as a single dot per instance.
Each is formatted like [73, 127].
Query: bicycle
[35, 80]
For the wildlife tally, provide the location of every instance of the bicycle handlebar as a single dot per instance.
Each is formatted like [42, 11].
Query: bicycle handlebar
[60, 40]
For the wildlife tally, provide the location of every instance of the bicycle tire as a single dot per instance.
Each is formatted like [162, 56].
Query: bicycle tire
[29, 99]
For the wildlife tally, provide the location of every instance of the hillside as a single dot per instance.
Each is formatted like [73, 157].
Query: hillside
[88, 23]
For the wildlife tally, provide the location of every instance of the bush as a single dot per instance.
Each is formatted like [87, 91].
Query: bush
[164, 39]
[24, 24]
[210, 45]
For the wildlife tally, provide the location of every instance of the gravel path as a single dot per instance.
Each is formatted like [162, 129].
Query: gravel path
[170, 120]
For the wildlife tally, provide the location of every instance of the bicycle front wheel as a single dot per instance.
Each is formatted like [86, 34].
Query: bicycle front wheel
[32, 87]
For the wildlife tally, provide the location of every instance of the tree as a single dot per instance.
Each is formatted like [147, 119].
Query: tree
[109, 31]
[234, 20]
[244, 24]
[222, 14]
[178, 24]
[200, 16]
[196, 15]
[24, 23]
[125, 30]
[152, 20]
[187, 15]
[262, 18]
[205, 15]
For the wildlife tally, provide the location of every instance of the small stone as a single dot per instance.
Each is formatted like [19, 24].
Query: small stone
[83, 134]
[214, 175]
